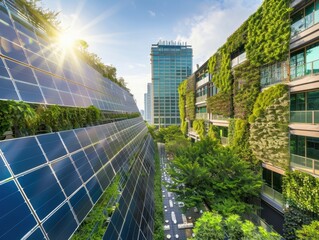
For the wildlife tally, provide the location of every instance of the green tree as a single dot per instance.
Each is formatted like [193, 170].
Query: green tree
[209, 227]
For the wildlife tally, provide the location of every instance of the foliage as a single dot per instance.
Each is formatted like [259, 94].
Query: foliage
[220, 104]
[269, 128]
[97, 215]
[181, 105]
[295, 218]
[238, 39]
[45, 18]
[301, 189]
[199, 127]
[176, 145]
[269, 33]
[190, 98]
[213, 132]
[219, 67]
[18, 116]
[265, 99]
[209, 173]
[246, 89]
[309, 232]
[167, 134]
[158, 201]
[211, 226]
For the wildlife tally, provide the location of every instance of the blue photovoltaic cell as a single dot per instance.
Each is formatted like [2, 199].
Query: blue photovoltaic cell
[83, 137]
[103, 179]
[20, 72]
[15, 216]
[51, 96]
[82, 164]
[52, 146]
[3, 70]
[13, 50]
[36, 235]
[94, 158]
[61, 224]
[7, 90]
[42, 190]
[30, 93]
[94, 189]
[101, 153]
[67, 99]
[92, 134]
[4, 172]
[22, 154]
[45, 79]
[67, 175]
[70, 140]
[81, 204]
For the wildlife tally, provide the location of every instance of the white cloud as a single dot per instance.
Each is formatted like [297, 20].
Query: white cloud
[151, 13]
[208, 31]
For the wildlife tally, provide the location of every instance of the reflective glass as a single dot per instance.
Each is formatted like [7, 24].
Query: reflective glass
[81, 204]
[7, 90]
[42, 190]
[16, 219]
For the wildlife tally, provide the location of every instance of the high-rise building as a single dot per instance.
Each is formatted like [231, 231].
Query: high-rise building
[264, 92]
[171, 64]
[148, 104]
[61, 162]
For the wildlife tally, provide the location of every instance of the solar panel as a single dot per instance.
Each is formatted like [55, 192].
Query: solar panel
[52, 145]
[67, 176]
[42, 190]
[81, 204]
[16, 219]
[22, 154]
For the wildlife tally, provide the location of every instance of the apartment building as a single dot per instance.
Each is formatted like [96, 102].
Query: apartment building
[262, 85]
[52, 178]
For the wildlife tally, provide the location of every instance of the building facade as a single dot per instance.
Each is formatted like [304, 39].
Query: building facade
[171, 64]
[148, 104]
[261, 96]
[54, 174]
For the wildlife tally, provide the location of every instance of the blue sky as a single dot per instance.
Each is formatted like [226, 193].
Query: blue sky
[121, 32]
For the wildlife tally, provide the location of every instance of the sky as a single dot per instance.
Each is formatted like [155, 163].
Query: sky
[121, 32]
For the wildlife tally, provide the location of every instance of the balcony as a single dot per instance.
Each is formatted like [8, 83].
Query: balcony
[239, 59]
[219, 120]
[203, 116]
[304, 164]
[224, 140]
[201, 99]
[311, 117]
[304, 23]
[307, 69]
[274, 73]
[272, 194]
[202, 81]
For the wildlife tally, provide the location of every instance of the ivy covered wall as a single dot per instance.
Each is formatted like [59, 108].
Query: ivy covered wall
[301, 192]
[190, 98]
[268, 34]
[199, 127]
[269, 126]
[181, 105]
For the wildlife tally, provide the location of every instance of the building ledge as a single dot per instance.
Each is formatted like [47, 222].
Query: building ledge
[304, 37]
[221, 123]
[278, 206]
[273, 168]
[304, 129]
[305, 83]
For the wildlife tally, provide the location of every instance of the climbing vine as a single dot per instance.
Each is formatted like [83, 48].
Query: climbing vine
[181, 105]
[199, 127]
[246, 89]
[269, 33]
[220, 104]
[190, 98]
[302, 196]
[269, 130]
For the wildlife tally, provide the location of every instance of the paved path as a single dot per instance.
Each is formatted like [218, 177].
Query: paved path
[167, 196]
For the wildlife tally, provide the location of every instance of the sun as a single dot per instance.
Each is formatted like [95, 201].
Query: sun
[67, 39]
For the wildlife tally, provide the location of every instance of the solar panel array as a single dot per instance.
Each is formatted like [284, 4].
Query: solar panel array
[134, 217]
[50, 182]
[35, 70]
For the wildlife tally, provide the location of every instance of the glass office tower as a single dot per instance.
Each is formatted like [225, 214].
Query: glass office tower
[171, 64]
